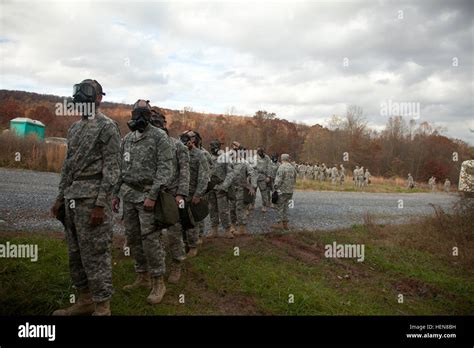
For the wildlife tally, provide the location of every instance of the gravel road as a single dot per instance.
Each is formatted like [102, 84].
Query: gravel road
[26, 196]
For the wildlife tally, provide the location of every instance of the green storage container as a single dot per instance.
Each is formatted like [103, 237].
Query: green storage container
[23, 127]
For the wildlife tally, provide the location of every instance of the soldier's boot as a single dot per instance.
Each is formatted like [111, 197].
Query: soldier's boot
[192, 252]
[142, 281]
[242, 230]
[83, 306]
[213, 232]
[264, 209]
[102, 309]
[175, 273]
[277, 226]
[285, 225]
[157, 291]
[228, 233]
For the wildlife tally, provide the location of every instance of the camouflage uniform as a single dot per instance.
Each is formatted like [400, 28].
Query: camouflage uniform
[88, 175]
[242, 171]
[284, 183]
[466, 177]
[410, 181]
[179, 186]
[198, 180]
[147, 167]
[447, 185]
[200, 225]
[222, 174]
[273, 169]
[342, 175]
[432, 183]
[263, 168]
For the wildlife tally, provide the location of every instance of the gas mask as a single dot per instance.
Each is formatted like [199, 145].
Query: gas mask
[185, 138]
[274, 158]
[260, 152]
[141, 115]
[86, 93]
[215, 147]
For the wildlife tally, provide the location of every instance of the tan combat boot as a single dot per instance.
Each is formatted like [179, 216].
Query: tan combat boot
[142, 280]
[157, 291]
[83, 306]
[264, 209]
[192, 252]
[228, 233]
[213, 232]
[102, 309]
[175, 273]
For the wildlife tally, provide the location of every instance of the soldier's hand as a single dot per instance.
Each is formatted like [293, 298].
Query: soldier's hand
[97, 216]
[196, 200]
[180, 201]
[55, 208]
[252, 190]
[149, 204]
[115, 204]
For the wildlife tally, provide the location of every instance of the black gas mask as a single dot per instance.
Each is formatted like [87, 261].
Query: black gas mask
[86, 93]
[260, 152]
[215, 147]
[141, 115]
[274, 158]
[185, 138]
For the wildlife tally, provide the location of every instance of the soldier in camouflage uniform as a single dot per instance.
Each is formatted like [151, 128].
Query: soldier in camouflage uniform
[432, 183]
[200, 225]
[221, 176]
[410, 181]
[89, 173]
[342, 174]
[179, 188]
[263, 167]
[146, 169]
[447, 185]
[273, 169]
[367, 176]
[242, 173]
[334, 175]
[466, 179]
[198, 181]
[284, 184]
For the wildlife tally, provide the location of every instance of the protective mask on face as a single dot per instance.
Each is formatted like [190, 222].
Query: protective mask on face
[140, 120]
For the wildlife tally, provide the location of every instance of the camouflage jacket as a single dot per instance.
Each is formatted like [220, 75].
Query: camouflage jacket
[146, 164]
[208, 157]
[263, 167]
[273, 169]
[92, 164]
[199, 173]
[242, 171]
[285, 178]
[179, 184]
[221, 171]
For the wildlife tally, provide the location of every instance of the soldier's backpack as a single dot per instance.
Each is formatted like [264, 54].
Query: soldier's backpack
[166, 209]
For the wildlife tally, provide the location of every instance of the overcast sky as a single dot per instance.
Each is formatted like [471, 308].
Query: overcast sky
[303, 60]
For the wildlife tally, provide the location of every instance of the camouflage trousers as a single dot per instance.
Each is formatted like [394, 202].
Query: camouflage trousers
[283, 205]
[174, 240]
[262, 186]
[144, 239]
[219, 208]
[232, 205]
[89, 248]
[192, 237]
[240, 206]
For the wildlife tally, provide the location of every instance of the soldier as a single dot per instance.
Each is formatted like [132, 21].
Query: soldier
[355, 174]
[342, 174]
[334, 174]
[146, 169]
[284, 184]
[207, 155]
[221, 178]
[410, 181]
[309, 172]
[198, 181]
[273, 169]
[432, 183]
[447, 185]
[89, 173]
[466, 179]
[179, 188]
[360, 177]
[263, 167]
[242, 172]
[322, 177]
[366, 177]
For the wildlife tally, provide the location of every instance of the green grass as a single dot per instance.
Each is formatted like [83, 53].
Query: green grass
[260, 280]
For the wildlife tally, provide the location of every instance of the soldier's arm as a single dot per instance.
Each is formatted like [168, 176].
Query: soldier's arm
[203, 177]
[119, 180]
[164, 165]
[183, 161]
[110, 139]
[278, 178]
[229, 178]
[253, 175]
